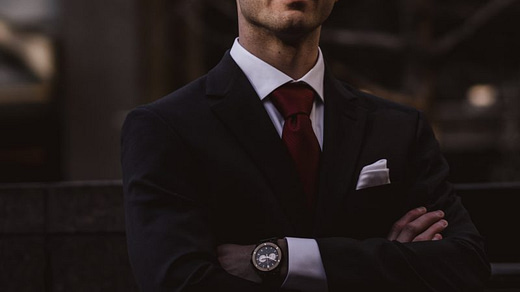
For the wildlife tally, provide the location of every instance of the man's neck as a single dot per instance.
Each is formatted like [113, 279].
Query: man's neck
[293, 57]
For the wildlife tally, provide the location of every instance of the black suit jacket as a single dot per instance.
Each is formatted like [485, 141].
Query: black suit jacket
[205, 166]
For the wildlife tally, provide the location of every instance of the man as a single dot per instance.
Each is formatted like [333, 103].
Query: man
[231, 185]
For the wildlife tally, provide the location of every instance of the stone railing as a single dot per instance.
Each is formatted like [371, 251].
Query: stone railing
[70, 236]
[63, 237]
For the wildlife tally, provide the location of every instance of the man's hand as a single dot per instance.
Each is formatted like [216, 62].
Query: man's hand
[418, 225]
[236, 260]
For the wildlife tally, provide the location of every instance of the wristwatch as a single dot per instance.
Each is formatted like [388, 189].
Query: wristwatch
[266, 259]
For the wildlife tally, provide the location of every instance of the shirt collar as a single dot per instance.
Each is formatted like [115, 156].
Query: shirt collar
[265, 78]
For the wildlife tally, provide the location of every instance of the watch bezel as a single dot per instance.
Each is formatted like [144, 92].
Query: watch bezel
[277, 262]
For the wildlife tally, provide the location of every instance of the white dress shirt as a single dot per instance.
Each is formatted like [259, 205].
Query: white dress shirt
[305, 271]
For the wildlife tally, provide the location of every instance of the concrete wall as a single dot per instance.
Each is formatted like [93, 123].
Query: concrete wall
[101, 81]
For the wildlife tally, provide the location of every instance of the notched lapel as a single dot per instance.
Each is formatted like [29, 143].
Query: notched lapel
[236, 104]
[345, 122]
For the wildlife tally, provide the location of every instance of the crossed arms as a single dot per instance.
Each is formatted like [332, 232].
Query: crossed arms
[417, 225]
[178, 241]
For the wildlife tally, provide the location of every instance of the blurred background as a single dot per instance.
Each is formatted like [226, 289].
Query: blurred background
[71, 70]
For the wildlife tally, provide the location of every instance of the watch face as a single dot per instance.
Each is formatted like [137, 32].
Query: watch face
[266, 256]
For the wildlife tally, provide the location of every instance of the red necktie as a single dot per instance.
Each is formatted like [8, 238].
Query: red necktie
[294, 101]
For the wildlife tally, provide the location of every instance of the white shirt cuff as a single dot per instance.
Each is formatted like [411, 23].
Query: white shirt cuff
[305, 271]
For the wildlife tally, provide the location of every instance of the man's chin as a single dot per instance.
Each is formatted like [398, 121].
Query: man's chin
[297, 5]
[293, 36]
[295, 30]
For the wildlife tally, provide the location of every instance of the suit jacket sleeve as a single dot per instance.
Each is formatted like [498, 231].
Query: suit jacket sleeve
[170, 241]
[456, 263]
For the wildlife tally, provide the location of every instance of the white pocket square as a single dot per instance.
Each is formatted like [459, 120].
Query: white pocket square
[373, 175]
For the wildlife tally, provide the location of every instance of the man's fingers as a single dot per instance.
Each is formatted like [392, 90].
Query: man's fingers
[433, 232]
[437, 237]
[398, 226]
[415, 228]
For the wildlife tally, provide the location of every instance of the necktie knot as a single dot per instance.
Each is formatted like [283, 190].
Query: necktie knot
[293, 98]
